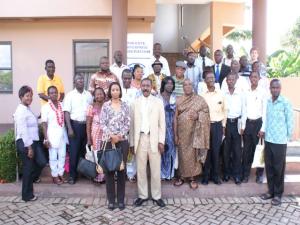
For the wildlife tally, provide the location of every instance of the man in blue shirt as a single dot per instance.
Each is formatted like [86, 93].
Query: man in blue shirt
[279, 128]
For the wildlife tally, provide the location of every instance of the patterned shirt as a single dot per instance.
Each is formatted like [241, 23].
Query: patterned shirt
[103, 80]
[279, 121]
[114, 122]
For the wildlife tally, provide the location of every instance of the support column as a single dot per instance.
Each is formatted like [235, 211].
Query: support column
[259, 27]
[119, 26]
[216, 27]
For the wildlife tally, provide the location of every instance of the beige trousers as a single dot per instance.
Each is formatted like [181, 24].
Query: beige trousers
[144, 153]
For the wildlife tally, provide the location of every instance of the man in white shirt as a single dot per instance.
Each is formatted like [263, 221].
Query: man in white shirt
[129, 94]
[157, 49]
[241, 82]
[203, 61]
[193, 72]
[232, 147]
[255, 110]
[75, 108]
[118, 66]
[229, 55]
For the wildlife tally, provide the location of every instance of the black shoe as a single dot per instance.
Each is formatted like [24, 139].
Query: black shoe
[217, 181]
[121, 206]
[139, 201]
[259, 179]
[159, 202]
[245, 179]
[204, 181]
[266, 196]
[111, 206]
[276, 201]
[226, 178]
[237, 181]
[71, 181]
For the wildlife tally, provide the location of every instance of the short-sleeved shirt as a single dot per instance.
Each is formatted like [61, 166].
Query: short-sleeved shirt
[76, 104]
[178, 86]
[44, 82]
[102, 80]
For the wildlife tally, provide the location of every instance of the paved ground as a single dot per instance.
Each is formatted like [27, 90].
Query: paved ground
[182, 211]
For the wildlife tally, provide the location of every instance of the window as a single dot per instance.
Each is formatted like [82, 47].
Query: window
[5, 68]
[86, 57]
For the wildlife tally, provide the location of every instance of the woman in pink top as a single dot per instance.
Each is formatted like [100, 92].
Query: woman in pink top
[93, 128]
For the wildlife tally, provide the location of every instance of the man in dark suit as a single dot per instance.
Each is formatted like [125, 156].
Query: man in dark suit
[220, 69]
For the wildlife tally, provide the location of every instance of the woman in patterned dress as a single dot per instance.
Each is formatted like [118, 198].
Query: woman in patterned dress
[169, 155]
[192, 130]
[93, 128]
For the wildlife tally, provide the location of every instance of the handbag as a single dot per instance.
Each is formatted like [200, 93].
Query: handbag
[258, 160]
[39, 155]
[111, 159]
[87, 168]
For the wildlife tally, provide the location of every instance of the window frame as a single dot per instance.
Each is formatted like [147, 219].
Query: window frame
[75, 41]
[8, 68]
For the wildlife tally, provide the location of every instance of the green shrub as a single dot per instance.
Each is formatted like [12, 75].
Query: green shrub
[8, 159]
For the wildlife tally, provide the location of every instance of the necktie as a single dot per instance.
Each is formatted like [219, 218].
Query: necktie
[203, 63]
[217, 73]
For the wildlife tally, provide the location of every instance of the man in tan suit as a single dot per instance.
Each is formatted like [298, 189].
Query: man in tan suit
[147, 138]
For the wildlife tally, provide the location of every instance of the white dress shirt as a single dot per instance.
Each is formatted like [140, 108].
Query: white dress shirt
[26, 125]
[241, 83]
[202, 87]
[194, 73]
[256, 105]
[115, 69]
[56, 134]
[165, 69]
[145, 126]
[76, 104]
[129, 95]
[236, 105]
[207, 61]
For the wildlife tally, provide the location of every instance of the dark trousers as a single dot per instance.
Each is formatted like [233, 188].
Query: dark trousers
[212, 162]
[275, 166]
[232, 151]
[121, 176]
[250, 141]
[30, 170]
[77, 146]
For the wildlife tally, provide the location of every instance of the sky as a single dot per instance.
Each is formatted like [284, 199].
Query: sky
[281, 15]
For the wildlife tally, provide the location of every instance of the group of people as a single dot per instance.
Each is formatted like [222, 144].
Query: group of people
[205, 120]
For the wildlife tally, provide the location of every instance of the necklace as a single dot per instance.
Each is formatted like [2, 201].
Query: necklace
[58, 112]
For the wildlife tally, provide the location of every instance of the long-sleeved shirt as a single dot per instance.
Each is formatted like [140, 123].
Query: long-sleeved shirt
[279, 121]
[194, 73]
[256, 105]
[114, 122]
[217, 105]
[26, 125]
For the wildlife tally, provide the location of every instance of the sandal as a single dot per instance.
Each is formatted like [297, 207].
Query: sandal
[178, 182]
[193, 184]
